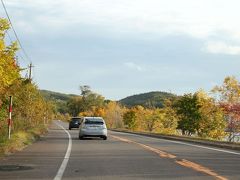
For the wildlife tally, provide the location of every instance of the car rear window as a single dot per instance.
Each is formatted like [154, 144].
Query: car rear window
[94, 121]
[76, 119]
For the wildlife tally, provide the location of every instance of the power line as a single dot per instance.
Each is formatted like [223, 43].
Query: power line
[18, 40]
[9, 37]
[11, 40]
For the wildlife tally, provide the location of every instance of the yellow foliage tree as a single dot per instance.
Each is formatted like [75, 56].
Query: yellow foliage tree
[114, 115]
[9, 70]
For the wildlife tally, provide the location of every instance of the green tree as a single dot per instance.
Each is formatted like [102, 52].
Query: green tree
[187, 109]
[130, 119]
[75, 105]
[85, 90]
[88, 103]
[91, 101]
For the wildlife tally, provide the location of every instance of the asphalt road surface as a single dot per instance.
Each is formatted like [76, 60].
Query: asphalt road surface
[61, 155]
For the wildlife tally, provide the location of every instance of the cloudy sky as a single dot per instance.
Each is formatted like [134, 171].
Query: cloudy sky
[126, 47]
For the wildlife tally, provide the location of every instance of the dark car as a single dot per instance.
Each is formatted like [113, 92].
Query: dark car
[75, 122]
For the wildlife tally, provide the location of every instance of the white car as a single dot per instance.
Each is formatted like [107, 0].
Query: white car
[93, 127]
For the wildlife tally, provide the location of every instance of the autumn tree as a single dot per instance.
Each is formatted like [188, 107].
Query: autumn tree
[229, 95]
[130, 119]
[75, 106]
[88, 104]
[153, 119]
[170, 118]
[229, 91]
[9, 70]
[30, 110]
[199, 114]
[114, 115]
[212, 123]
[90, 99]
[233, 116]
[141, 117]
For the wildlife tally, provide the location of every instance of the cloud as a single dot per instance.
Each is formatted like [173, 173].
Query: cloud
[133, 66]
[26, 27]
[222, 48]
[135, 16]
[102, 42]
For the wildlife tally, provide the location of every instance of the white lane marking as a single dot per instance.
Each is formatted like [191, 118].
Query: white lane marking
[67, 155]
[183, 143]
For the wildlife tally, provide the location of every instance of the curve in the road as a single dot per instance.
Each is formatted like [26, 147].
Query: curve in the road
[189, 144]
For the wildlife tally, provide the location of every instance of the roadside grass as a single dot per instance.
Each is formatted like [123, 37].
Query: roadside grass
[20, 139]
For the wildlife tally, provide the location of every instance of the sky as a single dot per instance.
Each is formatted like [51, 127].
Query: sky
[121, 48]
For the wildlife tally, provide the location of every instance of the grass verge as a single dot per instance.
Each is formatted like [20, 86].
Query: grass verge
[20, 140]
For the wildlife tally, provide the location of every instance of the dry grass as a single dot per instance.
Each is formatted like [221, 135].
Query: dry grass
[20, 140]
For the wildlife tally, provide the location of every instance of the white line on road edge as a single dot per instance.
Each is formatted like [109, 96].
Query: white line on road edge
[204, 147]
[67, 155]
[187, 144]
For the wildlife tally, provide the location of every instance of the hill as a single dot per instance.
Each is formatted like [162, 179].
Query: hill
[50, 95]
[150, 99]
[59, 99]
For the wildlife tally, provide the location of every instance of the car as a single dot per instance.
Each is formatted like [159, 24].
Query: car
[74, 122]
[93, 127]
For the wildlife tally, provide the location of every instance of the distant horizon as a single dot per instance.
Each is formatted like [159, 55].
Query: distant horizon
[113, 99]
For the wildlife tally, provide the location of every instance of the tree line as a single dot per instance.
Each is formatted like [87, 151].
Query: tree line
[213, 115]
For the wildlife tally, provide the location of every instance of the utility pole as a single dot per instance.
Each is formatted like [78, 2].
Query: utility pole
[30, 71]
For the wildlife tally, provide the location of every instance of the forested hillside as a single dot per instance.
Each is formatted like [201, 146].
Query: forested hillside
[51, 95]
[59, 99]
[151, 99]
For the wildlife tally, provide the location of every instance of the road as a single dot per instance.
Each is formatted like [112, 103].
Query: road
[122, 156]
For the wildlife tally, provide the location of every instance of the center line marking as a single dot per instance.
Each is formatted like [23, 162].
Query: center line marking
[182, 162]
[66, 157]
[187, 144]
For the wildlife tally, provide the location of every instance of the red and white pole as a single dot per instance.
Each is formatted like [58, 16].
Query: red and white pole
[10, 117]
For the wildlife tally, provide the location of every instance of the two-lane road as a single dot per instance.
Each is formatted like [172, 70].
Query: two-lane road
[122, 156]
